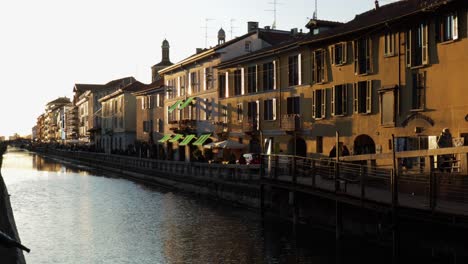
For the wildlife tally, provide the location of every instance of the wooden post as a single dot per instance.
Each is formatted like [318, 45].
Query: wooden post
[337, 159]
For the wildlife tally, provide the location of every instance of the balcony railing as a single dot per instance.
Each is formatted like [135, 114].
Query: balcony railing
[183, 125]
[291, 122]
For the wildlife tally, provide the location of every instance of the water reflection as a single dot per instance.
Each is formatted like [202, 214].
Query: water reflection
[72, 216]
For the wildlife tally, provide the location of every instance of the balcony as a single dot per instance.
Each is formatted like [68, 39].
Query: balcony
[185, 125]
[291, 122]
[250, 125]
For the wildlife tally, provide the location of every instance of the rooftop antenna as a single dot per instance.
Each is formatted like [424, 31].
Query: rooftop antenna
[206, 30]
[315, 12]
[232, 27]
[275, 3]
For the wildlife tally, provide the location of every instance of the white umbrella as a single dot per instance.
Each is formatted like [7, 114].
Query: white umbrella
[229, 144]
[210, 145]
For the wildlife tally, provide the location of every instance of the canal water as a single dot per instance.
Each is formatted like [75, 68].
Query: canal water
[69, 214]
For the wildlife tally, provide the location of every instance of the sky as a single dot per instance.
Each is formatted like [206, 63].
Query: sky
[47, 46]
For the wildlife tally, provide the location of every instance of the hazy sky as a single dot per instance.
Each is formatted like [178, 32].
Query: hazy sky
[47, 46]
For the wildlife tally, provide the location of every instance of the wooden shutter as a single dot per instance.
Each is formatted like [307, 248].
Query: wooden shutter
[355, 98]
[314, 112]
[204, 79]
[332, 54]
[242, 81]
[344, 97]
[356, 57]
[344, 59]
[189, 83]
[324, 103]
[368, 55]
[455, 27]
[227, 85]
[299, 69]
[274, 108]
[425, 44]
[369, 97]
[274, 75]
[408, 40]
[332, 101]
[314, 68]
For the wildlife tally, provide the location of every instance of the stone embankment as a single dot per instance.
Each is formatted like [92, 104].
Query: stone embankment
[7, 223]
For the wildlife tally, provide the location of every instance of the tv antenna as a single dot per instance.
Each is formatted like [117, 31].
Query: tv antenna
[275, 4]
[206, 30]
[315, 12]
[232, 26]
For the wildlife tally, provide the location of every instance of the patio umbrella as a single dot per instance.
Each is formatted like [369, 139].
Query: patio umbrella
[210, 145]
[229, 144]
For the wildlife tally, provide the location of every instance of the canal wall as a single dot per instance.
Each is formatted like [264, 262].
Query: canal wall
[7, 223]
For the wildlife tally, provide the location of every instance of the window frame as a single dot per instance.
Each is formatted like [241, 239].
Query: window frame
[360, 91]
[319, 68]
[389, 44]
[366, 58]
[319, 103]
[339, 95]
[269, 109]
[336, 59]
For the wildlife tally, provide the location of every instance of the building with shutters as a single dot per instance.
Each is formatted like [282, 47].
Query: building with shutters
[193, 114]
[397, 69]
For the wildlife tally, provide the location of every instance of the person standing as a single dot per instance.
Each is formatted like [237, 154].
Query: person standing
[445, 141]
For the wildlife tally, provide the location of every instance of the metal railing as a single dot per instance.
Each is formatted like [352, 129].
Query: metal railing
[429, 189]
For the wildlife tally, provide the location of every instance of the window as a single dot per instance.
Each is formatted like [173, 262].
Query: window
[252, 79]
[418, 91]
[339, 100]
[208, 109]
[252, 110]
[319, 104]
[338, 54]
[362, 97]
[294, 70]
[160, 126]
[209, 80]
[417, 53]
[195, 81]
[222, 86]
[248, 46]
[389, 44]
[319, 66]
[240, 112]
[269, 109]
[182, 82]
[237, 82]
[447, 28]
[147, 126]
[171, 89]
[224, 112]
[293, 105]
[362, 55]
[269, 76]
[159, 100]
[388, 107]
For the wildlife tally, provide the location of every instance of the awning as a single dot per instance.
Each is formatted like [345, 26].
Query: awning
[174, 106]
[176, 138]
[186, 103]
[186, 140]
[201, 140]
[165, 138]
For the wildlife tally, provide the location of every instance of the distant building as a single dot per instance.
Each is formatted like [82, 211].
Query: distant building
[165, 62]
[118, 114]
[51, 128]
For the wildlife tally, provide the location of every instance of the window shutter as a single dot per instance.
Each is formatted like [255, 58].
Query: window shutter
[274, 108]
[425, 39]
[189, 84]
[142, 102]
[242, 81]
[314, 67]
[344, 97]
[257, 117]
[369, 97]
[355, 98]
[455, 27]
[368, 55]
[408, 48]
[274, 75]
[157, 101]
[204, 79]
[332, 54]
[314, 113]
[323, 69]
[323, 103]
[299, 67]
[356, 56]
[344, 59]
[256, 78]
[150, 102]
[333, 97]
[178, 86]
[227, 85]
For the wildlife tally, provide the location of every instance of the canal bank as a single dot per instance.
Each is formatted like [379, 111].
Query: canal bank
[7, 222]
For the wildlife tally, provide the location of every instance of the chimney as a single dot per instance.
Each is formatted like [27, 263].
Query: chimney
[267, 27]
[199, 50]
[251, 26]
[294, 31]
[376, 4]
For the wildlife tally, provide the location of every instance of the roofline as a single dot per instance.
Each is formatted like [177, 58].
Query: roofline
[148, 91]
[188, 60]
[109, 96]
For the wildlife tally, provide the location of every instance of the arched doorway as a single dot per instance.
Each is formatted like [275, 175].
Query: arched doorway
[363, 144]
[300, 145]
